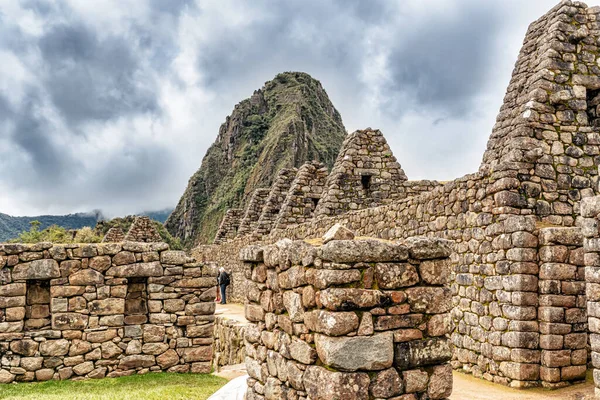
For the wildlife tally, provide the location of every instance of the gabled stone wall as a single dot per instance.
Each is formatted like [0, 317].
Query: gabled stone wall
[229, 226]
[365, 174]
[114, 235]
[142, 230]
[102, 310]
[274, 201]
[303, 196]
[253, 211]
[351, 319]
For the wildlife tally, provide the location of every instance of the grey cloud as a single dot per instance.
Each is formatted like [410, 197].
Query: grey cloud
[442, 64]
[32, 134]
[94, 79]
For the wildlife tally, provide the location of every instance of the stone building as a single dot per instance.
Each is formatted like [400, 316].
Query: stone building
[142, 230]
[102, 310]
[274, 201]
[229, 226]
[365, 174]
[253, 211]
[114, 235]
[303, 196]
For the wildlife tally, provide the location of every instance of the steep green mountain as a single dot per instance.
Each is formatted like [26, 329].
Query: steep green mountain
[10, 227]
[286, 123]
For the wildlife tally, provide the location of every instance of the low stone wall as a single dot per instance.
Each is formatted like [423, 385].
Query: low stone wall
[229, 345]
[351, 319]
[96, 310]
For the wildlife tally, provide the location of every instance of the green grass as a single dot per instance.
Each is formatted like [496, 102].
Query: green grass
[154, 386]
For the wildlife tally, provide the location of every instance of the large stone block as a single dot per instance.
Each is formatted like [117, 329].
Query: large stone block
[394, 276]
[331, 323]
[38, 269]
[369, 353]
[363, 250]
[339, 385]
[108, 306]
[136, 270]
[343, 299]
[76, 321]
[86, 277]
[418, 353]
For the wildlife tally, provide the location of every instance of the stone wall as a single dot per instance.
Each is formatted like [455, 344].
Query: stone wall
[253, 211]
[96, 310]
[274, 201]
[589, 224]
[229, 226]
[229, 342]
[114, 235]
[142, 230]
[303, 196]
[351, 319]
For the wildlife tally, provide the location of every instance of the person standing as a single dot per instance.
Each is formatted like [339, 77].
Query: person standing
[223, 281]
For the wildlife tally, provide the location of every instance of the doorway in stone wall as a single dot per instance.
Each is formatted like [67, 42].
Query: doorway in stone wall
[136, 301]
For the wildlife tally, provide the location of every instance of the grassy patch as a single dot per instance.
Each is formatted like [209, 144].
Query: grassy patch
[154, 386]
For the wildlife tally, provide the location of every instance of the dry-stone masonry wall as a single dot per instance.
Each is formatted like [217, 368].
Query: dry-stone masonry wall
[253, 211]
[142, 230]
[229, 225]
[590, 223]
[275, 200]
[303, 196]
[365, 174]
[229, 342]
[114, 235]
[351, 319]
[102, 310]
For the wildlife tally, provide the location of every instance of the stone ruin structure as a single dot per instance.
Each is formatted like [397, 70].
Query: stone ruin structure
[229, 226]
[114, 235]
[303, 196]
[365, 174]
[253, 211]
[275, 200]
[142, 230]
[102, 310]
[522, 238]
[351, 319]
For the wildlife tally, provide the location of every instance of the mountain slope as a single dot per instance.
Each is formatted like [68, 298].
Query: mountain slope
[10, 226]
[289, 121]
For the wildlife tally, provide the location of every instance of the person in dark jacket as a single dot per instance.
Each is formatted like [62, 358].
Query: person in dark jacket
[223, 281]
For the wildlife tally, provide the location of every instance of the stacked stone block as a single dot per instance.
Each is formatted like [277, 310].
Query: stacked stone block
[365, 174]
[229, 225]
[274, 201]
[590, 223]
[79, 311]
[562, 306]
[229, 342]
[351, 319]
[303, 196]
[253, 211]
[142, 230]
[114, 235]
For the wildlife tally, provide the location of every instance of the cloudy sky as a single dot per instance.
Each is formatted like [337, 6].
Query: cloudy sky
[111, 104]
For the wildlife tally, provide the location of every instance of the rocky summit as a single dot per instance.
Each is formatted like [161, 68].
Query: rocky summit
[287, 122]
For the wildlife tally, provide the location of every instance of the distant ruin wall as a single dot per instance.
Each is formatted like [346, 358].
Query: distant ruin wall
[96, 310]
[352, 319]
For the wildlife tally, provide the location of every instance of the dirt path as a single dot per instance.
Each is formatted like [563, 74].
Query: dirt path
[468, 388]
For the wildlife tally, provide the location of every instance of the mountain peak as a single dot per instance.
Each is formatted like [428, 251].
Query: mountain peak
[289, 121]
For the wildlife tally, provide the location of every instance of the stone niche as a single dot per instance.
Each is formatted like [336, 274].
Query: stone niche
[350, 319]
[103, 310]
